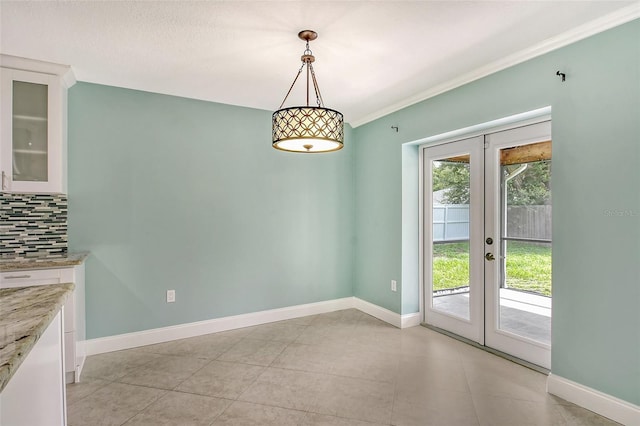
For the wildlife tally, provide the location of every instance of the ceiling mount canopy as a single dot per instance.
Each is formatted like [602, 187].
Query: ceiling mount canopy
[307, 128]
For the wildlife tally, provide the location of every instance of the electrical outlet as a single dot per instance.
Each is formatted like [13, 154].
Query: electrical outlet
[394, 285]
[171, 296]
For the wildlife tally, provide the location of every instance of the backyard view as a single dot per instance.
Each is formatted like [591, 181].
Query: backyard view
[528, 266]
[526, 200]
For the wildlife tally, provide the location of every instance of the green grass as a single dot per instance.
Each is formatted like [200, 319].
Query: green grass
[528, 266]
[450, 265]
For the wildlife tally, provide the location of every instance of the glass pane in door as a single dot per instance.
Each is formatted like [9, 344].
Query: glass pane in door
[525, 261]
[30, 127]
[450, 263]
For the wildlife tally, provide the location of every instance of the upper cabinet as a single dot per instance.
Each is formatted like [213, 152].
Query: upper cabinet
[33, 120]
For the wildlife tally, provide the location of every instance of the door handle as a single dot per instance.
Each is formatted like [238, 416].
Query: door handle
[489, 256]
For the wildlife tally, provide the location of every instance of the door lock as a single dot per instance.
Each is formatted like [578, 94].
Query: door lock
[489, 256]
[489, 240]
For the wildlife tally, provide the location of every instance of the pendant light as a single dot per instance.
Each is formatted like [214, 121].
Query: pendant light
[307, 129]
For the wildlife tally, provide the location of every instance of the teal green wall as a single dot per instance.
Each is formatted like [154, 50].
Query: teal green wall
[596, 195]
[174, 193]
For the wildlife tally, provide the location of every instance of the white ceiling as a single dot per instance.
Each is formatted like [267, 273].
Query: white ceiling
[372, 57]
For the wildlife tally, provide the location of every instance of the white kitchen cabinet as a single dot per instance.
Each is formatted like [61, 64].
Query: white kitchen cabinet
[74, 318]
[35, 395]
[33, 117]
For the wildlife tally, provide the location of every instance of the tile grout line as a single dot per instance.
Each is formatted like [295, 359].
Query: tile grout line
[466, 379]
[265, 370]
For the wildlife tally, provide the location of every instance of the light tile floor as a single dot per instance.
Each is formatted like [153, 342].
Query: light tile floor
[342, 368]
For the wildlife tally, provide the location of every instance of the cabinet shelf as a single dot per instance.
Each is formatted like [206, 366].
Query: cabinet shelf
[29, 151]
[29, 118]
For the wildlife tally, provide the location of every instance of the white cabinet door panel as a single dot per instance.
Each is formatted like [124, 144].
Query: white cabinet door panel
[35, 395]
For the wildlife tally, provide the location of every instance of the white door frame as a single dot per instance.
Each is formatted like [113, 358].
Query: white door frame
[425, 249]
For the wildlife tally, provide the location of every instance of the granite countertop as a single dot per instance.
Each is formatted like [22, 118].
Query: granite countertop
[45, 262]
[25, 313]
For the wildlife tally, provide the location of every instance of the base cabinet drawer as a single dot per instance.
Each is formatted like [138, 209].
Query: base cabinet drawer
[27, 278]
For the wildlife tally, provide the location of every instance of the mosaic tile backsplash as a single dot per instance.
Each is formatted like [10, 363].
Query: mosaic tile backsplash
[33, 225]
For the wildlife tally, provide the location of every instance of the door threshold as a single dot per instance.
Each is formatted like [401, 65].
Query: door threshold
[496, 352]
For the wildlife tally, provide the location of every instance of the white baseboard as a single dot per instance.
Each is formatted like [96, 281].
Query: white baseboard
[397, 320]
[606, 405]
[182, 331]
[378, 312]
[410, 320]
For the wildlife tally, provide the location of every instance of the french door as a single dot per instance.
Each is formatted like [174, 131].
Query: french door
[487, 240]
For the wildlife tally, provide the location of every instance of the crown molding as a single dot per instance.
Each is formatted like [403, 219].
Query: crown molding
[25, 64]
[619, 17]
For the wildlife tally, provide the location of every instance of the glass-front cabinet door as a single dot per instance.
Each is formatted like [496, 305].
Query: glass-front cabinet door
[31, 139]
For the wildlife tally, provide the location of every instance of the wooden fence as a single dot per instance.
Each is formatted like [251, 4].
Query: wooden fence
[529, 222]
